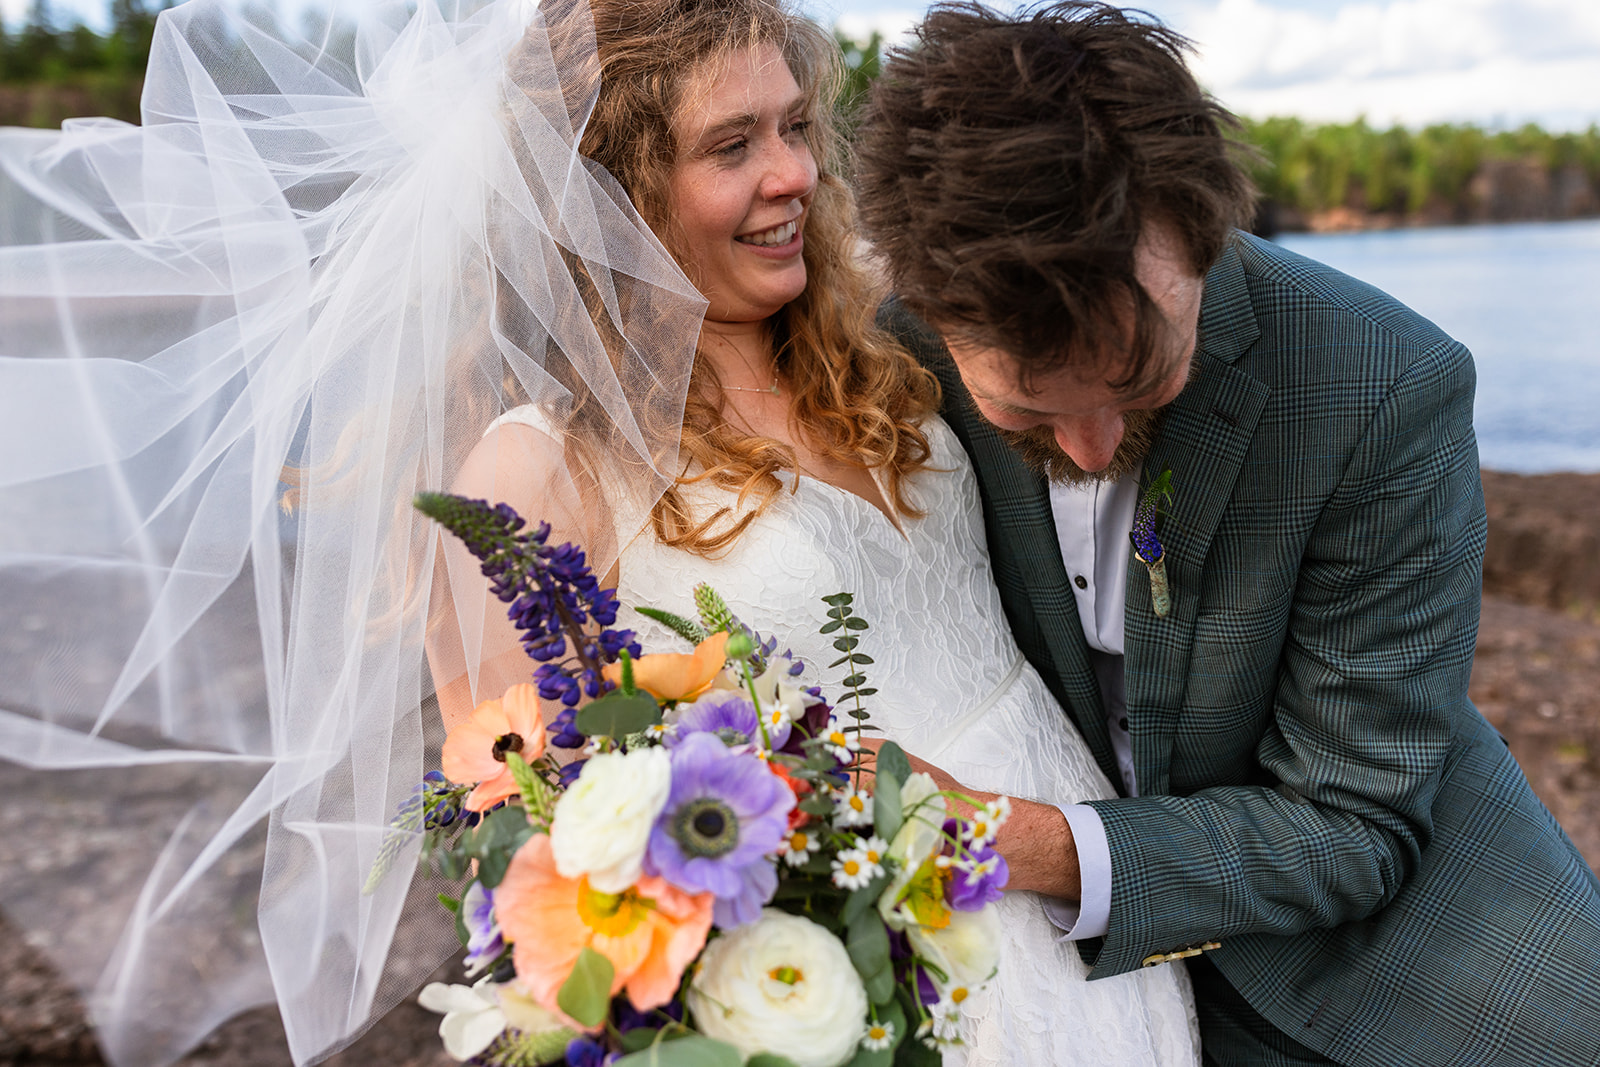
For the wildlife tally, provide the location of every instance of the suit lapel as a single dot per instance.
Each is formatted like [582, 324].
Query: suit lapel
[1204, 437]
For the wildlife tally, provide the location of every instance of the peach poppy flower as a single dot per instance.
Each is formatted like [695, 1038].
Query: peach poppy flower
[674, 675]
[475, 750]
[650, 931]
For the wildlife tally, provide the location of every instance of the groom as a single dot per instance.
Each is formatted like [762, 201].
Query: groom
[1313, 814]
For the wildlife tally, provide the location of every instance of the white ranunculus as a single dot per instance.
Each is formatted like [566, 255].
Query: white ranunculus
[967, 950]
[781, 984]
[602, 823]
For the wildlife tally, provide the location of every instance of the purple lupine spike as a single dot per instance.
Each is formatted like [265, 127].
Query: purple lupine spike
[1146, 518]
[1147, 545]
[552, 592]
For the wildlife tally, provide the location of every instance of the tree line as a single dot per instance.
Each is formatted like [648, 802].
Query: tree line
[1309, 174]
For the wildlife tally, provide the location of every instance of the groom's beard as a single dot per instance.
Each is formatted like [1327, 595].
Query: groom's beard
[1039, 450]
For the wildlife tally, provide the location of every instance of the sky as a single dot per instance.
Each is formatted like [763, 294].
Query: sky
[1412, 62]
[1496, 63]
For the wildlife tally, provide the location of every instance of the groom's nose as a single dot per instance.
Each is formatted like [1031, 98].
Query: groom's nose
[1090, 440]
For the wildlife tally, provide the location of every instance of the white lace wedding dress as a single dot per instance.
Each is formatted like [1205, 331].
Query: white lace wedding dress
[954, 690]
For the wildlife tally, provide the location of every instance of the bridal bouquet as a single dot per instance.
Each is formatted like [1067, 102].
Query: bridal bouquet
[716, 878]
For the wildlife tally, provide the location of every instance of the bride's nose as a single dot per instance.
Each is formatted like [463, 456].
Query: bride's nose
[791, 172]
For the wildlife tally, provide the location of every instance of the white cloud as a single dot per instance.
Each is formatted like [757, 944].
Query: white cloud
[1408, 61]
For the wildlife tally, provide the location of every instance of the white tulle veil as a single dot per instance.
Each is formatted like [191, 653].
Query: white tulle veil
[236, 340]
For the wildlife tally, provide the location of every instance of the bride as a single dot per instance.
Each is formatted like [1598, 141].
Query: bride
[240, 337]
[813, 463]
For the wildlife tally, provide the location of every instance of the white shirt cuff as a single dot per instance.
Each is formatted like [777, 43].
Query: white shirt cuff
[1091, 916]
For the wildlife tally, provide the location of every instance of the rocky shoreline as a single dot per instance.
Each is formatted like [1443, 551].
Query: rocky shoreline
[1536, 678]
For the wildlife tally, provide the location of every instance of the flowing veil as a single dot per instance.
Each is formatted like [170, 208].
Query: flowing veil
[236, 340]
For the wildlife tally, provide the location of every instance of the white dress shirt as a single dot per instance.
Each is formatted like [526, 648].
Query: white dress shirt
[1092, 525]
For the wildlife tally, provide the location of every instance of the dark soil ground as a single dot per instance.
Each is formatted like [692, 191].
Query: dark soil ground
[1536, 677]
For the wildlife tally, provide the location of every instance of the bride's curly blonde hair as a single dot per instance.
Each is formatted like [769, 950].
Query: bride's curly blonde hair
[857, 395]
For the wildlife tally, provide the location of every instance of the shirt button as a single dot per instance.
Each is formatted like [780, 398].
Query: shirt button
[1081, 582]
[1122, 724]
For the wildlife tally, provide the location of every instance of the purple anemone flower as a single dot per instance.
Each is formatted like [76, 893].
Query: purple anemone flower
[484, 943]
[731, 718]
[727, 811]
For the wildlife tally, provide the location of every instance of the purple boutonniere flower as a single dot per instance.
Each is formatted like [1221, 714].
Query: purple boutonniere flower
[1147, 541]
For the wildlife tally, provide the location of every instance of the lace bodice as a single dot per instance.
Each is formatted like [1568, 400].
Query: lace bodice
[952, 689]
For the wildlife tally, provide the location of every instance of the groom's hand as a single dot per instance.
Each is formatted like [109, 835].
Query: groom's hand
[1036, 840]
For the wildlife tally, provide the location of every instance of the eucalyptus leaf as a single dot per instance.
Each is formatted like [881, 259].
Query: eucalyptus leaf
[637, 1038]
[886, 814]
[838, 598]
[769, 1059]
[880, 987]
[691, 1051]
[892, 763]
[864, 899]
[497, 838]
[866, 1057]
[868, 944]
[586, 993]
[618, 714]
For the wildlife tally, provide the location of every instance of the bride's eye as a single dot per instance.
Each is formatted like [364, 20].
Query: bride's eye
[797, 128]
[732, 148]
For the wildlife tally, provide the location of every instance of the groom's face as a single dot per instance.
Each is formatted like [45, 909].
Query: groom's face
[1070, 422]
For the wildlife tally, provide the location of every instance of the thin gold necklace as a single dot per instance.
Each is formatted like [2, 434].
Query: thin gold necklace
[774, 389]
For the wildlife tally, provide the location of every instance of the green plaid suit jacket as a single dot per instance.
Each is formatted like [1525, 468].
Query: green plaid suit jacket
[1317, 793]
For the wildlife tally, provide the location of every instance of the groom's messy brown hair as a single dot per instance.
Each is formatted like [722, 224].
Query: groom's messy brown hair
[1007, 165]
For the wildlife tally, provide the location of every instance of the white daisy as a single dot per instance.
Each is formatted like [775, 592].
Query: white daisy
[873, 848]
[879, 1036]
[799, 846]
[841, 743]
[851, 869]
[852, 807]
[987, 820]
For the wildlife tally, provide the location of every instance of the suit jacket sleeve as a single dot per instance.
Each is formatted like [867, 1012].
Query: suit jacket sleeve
[1369, 688]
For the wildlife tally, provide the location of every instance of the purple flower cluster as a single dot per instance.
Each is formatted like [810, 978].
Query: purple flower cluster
[484, 943]
[967, 889]
[1146, 517]
[551, 589]
[731, 718]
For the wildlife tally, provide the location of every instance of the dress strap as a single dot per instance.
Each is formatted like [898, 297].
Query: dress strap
[960, 726]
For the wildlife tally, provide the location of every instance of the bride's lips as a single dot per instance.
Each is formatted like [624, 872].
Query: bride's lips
[777, 242]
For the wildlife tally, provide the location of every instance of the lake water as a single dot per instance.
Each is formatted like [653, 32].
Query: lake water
[1523, 298]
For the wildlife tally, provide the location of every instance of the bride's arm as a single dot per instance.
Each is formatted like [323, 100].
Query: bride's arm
[474, 652]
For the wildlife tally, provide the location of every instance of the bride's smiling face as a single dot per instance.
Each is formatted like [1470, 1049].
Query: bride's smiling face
[741, 185]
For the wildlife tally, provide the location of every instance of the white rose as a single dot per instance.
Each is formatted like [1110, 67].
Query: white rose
[781, 984]
[602, 824]
[967, 950]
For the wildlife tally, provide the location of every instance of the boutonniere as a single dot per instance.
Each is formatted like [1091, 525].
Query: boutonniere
[1147, 541]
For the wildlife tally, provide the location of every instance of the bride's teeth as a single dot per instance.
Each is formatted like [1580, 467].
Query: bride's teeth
[778, 235]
